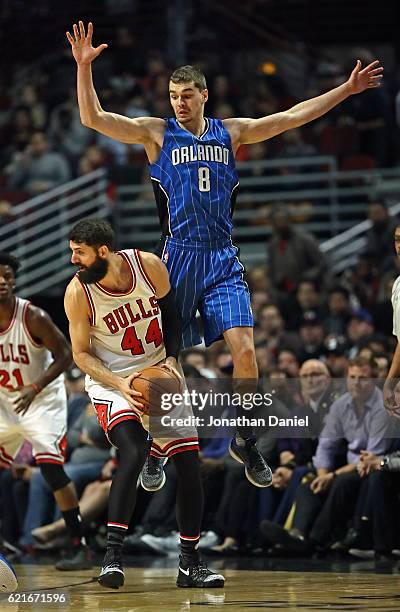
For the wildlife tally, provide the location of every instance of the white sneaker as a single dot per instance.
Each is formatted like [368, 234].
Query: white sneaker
[362, 554]
[163, 545]
[208, 539]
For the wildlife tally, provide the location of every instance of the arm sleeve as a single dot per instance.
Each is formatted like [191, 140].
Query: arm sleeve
[171, 325]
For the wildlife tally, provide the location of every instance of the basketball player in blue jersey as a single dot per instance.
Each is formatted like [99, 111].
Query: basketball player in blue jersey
[192, 168]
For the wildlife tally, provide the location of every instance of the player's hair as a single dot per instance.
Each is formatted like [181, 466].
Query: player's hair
[189, 74]
[94, 233]
[9, 260]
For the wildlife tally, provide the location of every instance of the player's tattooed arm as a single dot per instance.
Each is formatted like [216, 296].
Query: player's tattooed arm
[77, 311]
[44, 332]
[250, 131]
[148, 131]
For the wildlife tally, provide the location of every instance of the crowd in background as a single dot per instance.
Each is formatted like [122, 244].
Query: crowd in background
[324, 345]
[315, 332]
[44, 144]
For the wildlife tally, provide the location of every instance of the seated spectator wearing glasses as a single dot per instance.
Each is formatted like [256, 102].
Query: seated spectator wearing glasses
[296, 446]
[326, 505]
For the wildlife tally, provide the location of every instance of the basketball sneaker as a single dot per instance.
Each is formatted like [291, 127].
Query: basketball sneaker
[198, 576]
[152, 477]
[81, 559]
[112, 573]
[8, 578]
[256, 468]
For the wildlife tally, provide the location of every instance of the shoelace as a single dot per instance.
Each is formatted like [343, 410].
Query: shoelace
[153, 467]
[200, 571]
[114, 564]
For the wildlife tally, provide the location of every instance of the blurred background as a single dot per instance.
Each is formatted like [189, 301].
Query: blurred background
[314, 219]
[332, 186]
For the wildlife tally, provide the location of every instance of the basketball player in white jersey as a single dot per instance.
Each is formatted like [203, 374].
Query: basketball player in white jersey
[391, 403]
[123, 318]
[33, 403]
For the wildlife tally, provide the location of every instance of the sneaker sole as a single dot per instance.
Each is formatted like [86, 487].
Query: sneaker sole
[151, 490]
[249, 478]
[112, 580]
[235, 456]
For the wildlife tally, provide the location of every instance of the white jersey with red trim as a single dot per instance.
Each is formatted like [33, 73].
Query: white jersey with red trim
[126, 332]
[22, 359]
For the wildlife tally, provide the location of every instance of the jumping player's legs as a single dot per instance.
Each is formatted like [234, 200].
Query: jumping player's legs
[183, 264]
[240, 342]
[226, 312]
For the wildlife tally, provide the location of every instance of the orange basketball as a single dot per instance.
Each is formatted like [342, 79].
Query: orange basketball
[153, 383]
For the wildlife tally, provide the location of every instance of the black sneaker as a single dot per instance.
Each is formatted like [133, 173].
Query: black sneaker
[80, 560]
[198, 576]
[152, 477]
[112, 574]
[256, 468]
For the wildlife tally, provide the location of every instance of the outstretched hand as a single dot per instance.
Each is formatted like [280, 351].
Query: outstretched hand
[367, 78]
[81, 43]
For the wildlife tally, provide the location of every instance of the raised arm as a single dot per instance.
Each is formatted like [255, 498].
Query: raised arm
[249, 131]
[142, 130]
[76, 309]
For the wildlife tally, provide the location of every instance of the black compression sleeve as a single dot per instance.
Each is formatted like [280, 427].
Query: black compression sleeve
[171, 325]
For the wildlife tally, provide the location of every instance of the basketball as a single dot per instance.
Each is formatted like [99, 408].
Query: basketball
[8, 578]
[153, 383]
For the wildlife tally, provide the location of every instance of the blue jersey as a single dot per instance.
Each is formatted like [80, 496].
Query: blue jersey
[195, 183]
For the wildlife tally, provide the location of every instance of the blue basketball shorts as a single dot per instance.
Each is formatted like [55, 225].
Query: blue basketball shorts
[207, 277]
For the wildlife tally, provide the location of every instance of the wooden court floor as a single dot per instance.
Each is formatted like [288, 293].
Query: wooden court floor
[154, 590]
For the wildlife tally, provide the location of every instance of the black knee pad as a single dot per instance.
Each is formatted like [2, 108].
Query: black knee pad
[54, 475]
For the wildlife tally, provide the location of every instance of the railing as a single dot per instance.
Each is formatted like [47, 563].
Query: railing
[342, 250]
[38, 231]
[327, 201]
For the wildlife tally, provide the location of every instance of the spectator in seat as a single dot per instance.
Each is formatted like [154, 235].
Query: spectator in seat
[325, 506]
[293, 254]
[271, 330]
[39, 169]
[312, 335]
[339, 311]
[380, 236]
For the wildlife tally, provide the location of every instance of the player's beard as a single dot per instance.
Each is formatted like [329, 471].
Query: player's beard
[95, 272]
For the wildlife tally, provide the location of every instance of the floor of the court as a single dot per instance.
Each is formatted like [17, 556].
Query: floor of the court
[251, 584]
